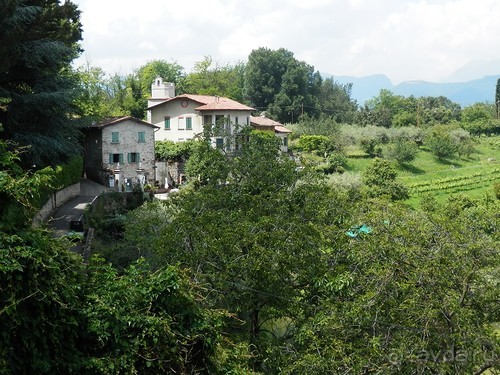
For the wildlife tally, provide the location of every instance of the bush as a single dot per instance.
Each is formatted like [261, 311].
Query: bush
[313, 143]
[336, 162]
[63, 176]
[380, 180]
[371, 146]
[496, 189]
[402, 151]
[174, 151]
[440, 142]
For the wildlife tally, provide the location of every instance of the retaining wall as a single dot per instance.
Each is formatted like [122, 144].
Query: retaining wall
[57, 199]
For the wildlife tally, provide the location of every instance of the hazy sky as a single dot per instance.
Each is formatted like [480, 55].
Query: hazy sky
[404, 39]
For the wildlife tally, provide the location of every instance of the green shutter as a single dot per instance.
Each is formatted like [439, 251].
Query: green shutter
[167, 123]
[141, 137]
[110, 158]
[115, 137]
[121, 158]
[189, 123]
[129, 157]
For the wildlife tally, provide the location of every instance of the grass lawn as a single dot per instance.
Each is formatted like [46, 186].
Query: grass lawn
[473, 176]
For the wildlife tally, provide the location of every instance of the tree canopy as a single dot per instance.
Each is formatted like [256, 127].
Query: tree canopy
[39, 40]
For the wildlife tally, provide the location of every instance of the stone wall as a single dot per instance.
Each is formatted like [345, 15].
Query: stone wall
[169, 173]
[57, 199]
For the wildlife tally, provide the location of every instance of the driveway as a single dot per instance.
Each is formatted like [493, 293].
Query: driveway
[73, 209]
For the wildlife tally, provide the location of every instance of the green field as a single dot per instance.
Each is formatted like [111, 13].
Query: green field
[473, 176]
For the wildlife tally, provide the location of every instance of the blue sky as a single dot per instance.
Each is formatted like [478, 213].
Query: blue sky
[403, 39]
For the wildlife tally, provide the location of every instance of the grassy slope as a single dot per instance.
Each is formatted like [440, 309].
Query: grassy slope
[473, 176]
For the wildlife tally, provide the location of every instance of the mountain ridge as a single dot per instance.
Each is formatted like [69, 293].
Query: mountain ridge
[464, 93]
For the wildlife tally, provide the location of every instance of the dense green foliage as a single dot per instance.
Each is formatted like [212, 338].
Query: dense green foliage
[402, 150]
[18, 189]
[416, 293]
[62, 176]
[208, 78]
[174, 151]
[380, 180]
[388, 109]
[275, 81]
[404, 299]
[252, 267]
[38, 41]
[58, 315]
[41, 294]
[149, 323]
[102, 96]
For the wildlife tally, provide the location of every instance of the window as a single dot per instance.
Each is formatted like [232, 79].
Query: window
[219, 124]
[189, 123]
[207, 120]
[115, 138]
[248, 120]
[236, 120]
[219, 121]
[134, 157]
[207, 124]
[181, 123]
[219, 143]
[141, 137]
[115, 158]
[167, 123]
[285, 142]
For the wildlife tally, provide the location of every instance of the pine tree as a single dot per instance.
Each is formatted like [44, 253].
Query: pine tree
[38, 42]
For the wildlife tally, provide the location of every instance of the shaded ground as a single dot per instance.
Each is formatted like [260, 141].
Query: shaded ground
[73, 209]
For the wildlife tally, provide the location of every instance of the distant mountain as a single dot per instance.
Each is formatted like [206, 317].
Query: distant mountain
[475, 69]
[463, 93]
[364, 88]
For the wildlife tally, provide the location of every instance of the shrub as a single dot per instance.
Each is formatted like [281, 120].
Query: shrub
[440, 142]
[174, 151]
[496, 189]
[402, 151]
[336, 161]
[371, 146]
[380, 180]
[313, 143]
[63, 176]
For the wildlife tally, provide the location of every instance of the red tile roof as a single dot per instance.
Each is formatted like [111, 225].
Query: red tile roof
[210, 103]
[216, 103]
[117, 120]
[264, 122]
[281, 129]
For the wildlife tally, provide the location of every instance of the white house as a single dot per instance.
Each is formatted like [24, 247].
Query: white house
[187, 116]
[119, 152]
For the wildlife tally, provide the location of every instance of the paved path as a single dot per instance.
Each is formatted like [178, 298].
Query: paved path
[74, 208]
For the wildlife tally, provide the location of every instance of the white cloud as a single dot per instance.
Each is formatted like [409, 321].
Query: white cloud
[409, 39]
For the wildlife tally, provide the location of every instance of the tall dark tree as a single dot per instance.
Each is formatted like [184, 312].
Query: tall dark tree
[497, 97]
[38, 41]
[277, 82]
[335, 100]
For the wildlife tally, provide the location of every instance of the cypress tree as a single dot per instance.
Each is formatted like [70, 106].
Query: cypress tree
[497, 97]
